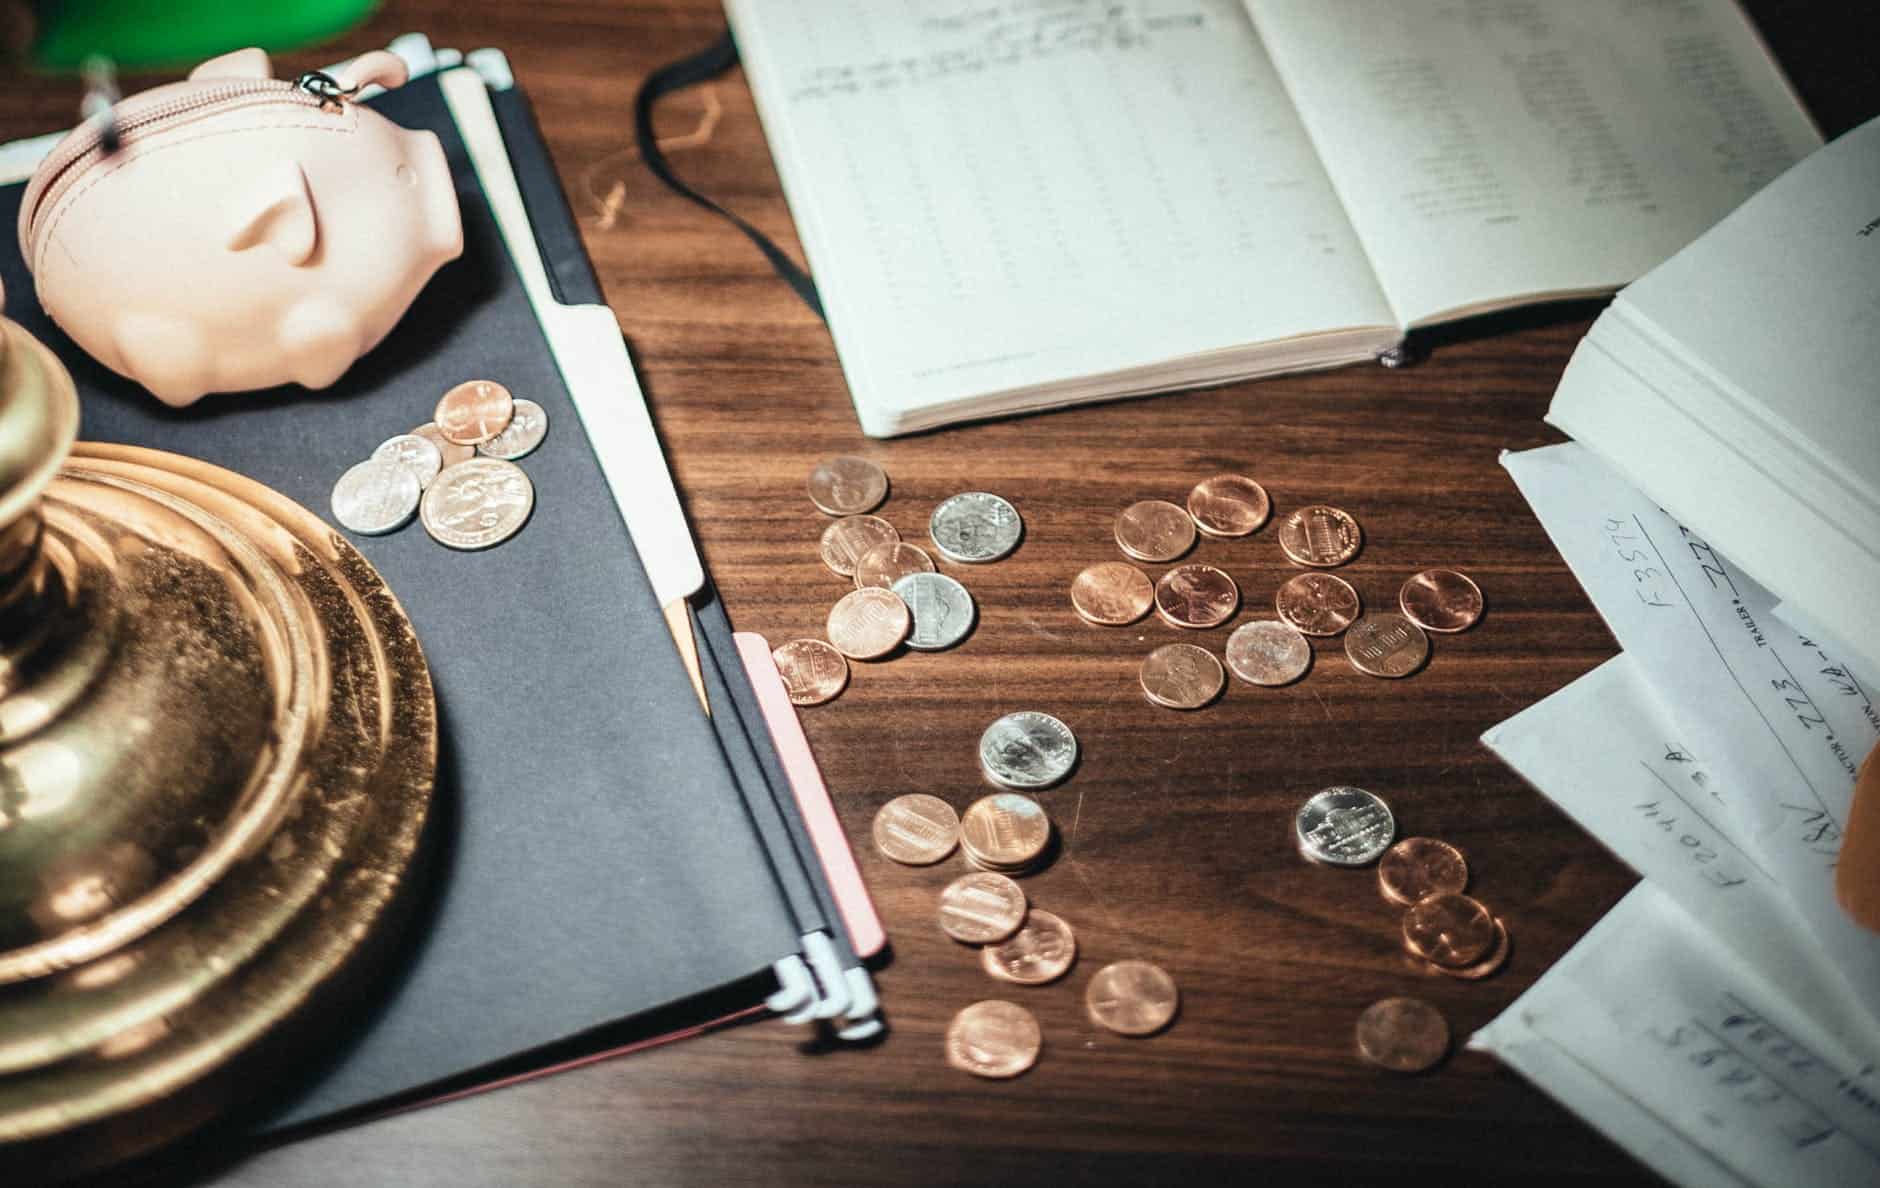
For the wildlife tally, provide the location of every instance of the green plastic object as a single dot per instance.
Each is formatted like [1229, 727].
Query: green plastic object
[169, 34]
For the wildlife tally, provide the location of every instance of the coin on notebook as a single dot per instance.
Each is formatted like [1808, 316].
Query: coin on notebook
[1228, 505]
[975, 527]
[847, 486]
[1154, 530]
[375, 497]
[1387, 645]
[813, 671]
[474, 412]
[1112, 594]
[1441, 600]
[917, 829]
[448, 450]
[416, 454]
[848, 540]
[477, 504]
[1320, 536]
[1268, 652]
[527, 429]
[869, 623]
[1317, 603]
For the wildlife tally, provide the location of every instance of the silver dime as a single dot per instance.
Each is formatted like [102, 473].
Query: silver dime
[527, 427]
[478, 503]
[1027, 750]
[417, 454]
[943, 610]
[975, 526]
[1343, 826]
[375, 497]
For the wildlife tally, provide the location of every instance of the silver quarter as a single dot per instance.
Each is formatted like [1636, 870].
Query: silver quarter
[528, 425]
[477, 504]
[375, 497]
[943, 610]
[1027, 749]
[1342, 826]
[975, 526]
[417, 454]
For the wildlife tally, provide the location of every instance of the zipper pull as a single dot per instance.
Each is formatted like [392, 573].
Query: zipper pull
[326, 89]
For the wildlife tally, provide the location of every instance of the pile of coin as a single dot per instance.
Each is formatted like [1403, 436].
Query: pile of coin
[456, 472]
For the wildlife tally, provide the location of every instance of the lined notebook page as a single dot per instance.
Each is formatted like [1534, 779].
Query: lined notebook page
[994, 196]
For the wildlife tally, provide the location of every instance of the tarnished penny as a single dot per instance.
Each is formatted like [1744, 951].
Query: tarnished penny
[1268, 652]
[1154, 530]
[868, 624]
[1005, 831]
[1451, 929]
[1386, 644]
[994, 1039]
[1042, 950]
[889, 562]
[1132, 998]
[847, 486]
[848, 540]
[1404, 1035]
[1181, 676]
[1418, 867]
[1319, 535]
[1112, 594]
[813, 672]
[981, 908]
[1317, 603]
[1497, 957]
[1344, 826]
[474, 412]
[1228, 505]
[917, 829]
[449, 451]
[1196, 597]
[1441, 600]
[477, 504]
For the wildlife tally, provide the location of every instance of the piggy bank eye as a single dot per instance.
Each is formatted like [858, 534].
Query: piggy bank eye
[408, 175]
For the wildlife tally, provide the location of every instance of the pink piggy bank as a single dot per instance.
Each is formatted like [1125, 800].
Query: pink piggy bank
[246, 232]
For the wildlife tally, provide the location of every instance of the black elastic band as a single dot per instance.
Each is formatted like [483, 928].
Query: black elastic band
[691, 70]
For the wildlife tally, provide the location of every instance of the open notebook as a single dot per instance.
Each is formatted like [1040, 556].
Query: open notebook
[1012, 207]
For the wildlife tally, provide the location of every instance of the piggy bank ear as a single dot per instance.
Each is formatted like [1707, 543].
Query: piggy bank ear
[242, 63]
[275, 210]
[376, 68]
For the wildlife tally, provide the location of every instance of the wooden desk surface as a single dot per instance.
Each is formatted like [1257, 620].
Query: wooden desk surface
[1176, 827]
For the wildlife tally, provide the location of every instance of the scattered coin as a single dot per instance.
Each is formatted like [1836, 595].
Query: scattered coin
[1112, 594]
[375, 497]
[1181, 676]
[1196, 597]
[1320, 536]
[1154, 530]
[1228, 505]
[994, 1039]
[1317, 603]
[1450, 929]
[846, 541]
[448, 450]
[527, 428]
[1497, 957]
[869, 623]
[1418, 867]
[1041, 951]
[1386, 644]
[1441, 600]
[942, 609]
[1027, 749]
[414, 453]
[917, 829]
[1404, 1035]
[975, 526]
[813, 671]
[1005, 832]
[1344, 826]
[847, 486]
[1132, 998]
[472, 413]
[981, 908]
[1268, 652]
[477, 504]
[889, 562]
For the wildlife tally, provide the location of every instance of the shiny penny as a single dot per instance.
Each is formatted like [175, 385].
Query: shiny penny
[449, 451]
[1181, 676]
[474, 412]
[1405, 1035]
[888, 562]
[527, 429]
[848, 540]
[1196, 597]
[1268, 652]
[994, 1039]
[1042, 950]
[1317, 603]
[847, 486]
[477, 504]
[1418, 867]
[1386, 644]
[1228, 505]
[869, 623]
[981, 908]
[917, 829]
[1320, 536]
[1450, 929]
[1132, 998]
[1441, 600]
[1112, 594]
[1005, 830]
[813, 671]
[1487, 966]
[1154, 530]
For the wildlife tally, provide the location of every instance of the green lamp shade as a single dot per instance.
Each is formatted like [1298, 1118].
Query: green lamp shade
[158, 34]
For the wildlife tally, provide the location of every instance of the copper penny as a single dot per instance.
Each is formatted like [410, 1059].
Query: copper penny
[1450, 929]
[1317, 603]
[889, 562]
[1441, 600]
[1497, 957]
[1181, 676]
[848, 540]
[1268, 652]
[1041, 951]
[1228, 505]
[1404, 1035]
[1112, 594]
[847, 486]
[917, 829]
[812, 671]
[1132, 997]
[981, 908]
[474, 412]
[1155, 530]
[868, 624]
[1418, 867]
[1320, 536]
[1196, 597]
[1386, 645]
[994, 1039]
[448, 450]
[1005, 831]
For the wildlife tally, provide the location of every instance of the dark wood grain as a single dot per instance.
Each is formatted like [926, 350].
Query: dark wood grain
[1175, 827]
